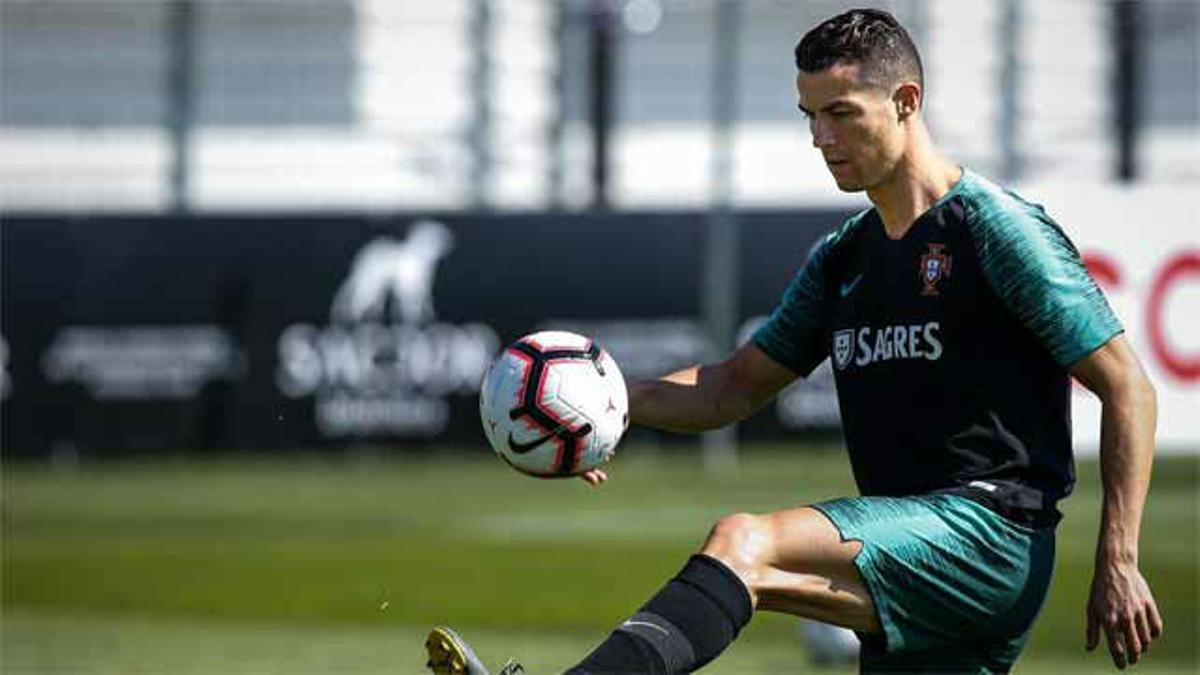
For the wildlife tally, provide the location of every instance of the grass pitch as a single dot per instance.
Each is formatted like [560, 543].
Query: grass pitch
[321, 565]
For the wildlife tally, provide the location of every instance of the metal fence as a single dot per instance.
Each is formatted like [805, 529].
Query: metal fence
[156, 105]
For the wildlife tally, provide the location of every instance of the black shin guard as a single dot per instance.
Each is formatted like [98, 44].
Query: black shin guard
[686, 625]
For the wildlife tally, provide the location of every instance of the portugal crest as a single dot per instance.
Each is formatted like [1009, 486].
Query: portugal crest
[935, 266]
[843, 347]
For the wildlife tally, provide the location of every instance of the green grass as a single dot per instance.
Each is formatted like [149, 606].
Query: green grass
[340, 566]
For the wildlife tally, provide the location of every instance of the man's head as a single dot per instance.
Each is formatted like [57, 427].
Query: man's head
[871, 38]
[861, 85]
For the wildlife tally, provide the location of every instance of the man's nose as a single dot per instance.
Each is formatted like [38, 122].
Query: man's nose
[821, 137]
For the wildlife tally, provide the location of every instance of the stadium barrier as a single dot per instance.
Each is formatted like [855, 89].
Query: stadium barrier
[144, 334]
[139, 334]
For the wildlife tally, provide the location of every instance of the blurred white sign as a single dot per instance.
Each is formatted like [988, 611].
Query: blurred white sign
[645, 348]
[1143, 248]
[143, 362]
[383, 365]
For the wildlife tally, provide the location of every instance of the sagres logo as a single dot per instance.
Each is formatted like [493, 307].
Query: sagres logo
[843, 347]
[871, 344]
[384, 365]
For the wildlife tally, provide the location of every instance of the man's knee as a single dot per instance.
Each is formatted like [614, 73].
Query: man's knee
[744, 542]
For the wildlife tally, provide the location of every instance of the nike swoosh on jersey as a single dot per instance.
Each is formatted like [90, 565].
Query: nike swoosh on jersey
[848, 287]
[520, 448]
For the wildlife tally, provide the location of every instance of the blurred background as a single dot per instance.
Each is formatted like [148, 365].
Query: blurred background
[257, 254]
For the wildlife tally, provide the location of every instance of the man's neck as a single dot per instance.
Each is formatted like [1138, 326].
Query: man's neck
[921, 178]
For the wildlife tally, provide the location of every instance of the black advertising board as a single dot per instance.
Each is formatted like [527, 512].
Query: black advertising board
[128, 334]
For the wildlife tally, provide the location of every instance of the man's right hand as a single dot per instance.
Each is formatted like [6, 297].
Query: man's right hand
[594, 477]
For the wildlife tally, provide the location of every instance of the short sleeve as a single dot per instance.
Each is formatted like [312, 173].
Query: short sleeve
[794, 333]
[1036, 271]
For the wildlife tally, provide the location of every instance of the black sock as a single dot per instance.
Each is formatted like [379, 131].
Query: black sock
[686, 625]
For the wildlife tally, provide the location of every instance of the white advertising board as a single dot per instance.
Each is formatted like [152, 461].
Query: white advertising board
[1143, 247]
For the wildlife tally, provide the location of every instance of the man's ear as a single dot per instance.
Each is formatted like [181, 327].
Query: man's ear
[908, 100]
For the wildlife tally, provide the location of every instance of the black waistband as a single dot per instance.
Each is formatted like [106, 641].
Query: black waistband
[1035, 518]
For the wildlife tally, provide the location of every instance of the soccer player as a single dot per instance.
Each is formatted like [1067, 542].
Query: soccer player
[955, 314]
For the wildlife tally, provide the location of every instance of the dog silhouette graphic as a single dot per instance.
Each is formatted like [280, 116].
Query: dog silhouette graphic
[394, 277]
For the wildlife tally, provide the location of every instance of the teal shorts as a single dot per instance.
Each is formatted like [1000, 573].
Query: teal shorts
[956, 585]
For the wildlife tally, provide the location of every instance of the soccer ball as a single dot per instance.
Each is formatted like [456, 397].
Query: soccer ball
[554, 404]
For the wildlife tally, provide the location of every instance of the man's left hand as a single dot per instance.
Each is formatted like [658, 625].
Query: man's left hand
[1121, 604]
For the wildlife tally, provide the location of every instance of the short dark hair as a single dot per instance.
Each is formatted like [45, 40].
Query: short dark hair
[871, 38]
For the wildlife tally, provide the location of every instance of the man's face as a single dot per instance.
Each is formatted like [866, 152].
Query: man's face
[855, 126]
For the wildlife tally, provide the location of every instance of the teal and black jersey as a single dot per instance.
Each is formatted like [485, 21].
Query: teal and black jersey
[950, 347]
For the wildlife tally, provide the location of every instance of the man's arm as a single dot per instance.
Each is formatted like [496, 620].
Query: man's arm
[706, 397]
[1121, 602]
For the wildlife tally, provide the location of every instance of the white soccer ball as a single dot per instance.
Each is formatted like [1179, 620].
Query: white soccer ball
[554, 404]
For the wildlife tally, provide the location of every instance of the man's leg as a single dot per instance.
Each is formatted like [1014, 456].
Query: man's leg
[795, 562]
[956, 586]
[791, 561]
